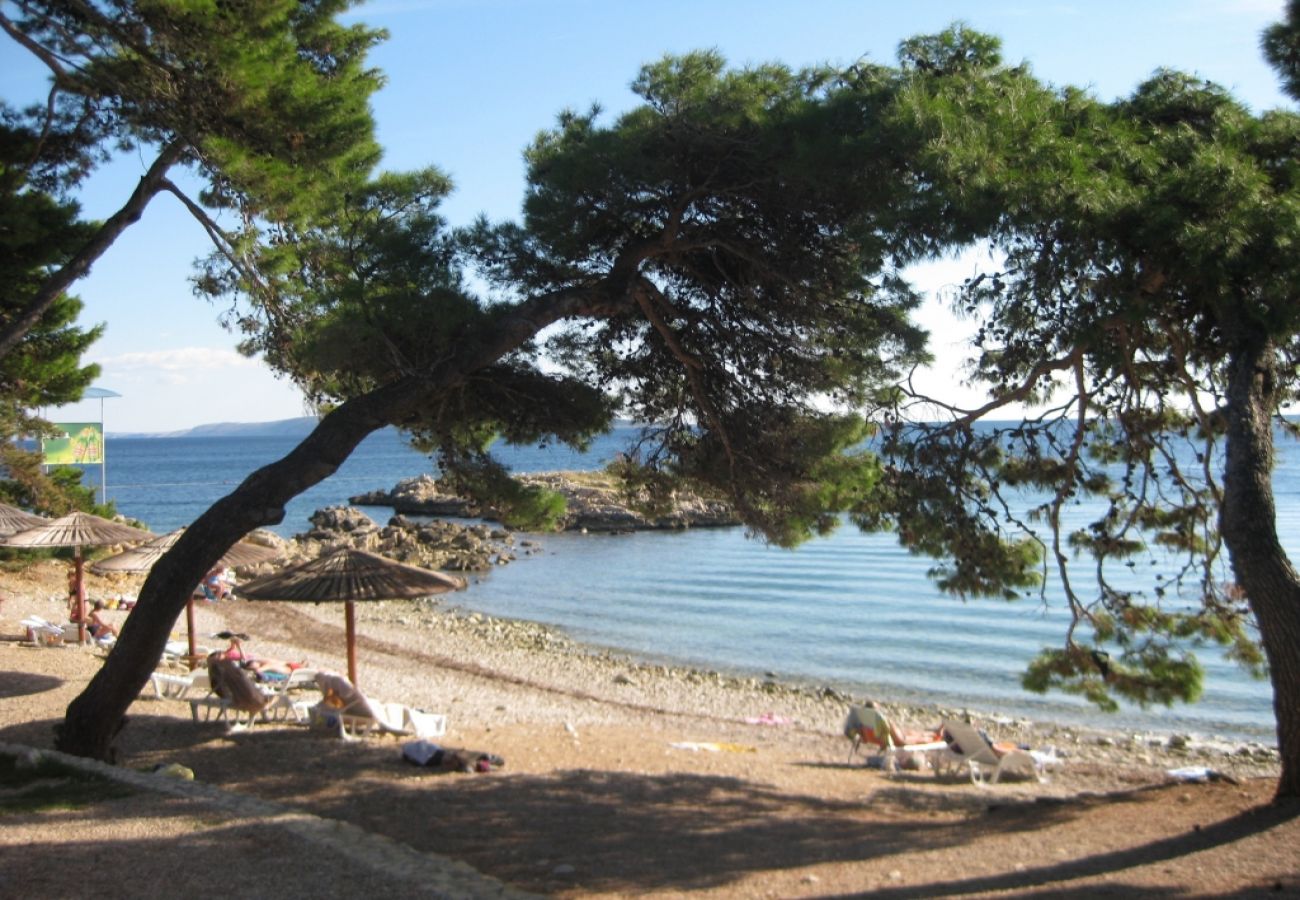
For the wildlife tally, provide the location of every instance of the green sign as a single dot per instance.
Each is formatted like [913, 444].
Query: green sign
[82, 443]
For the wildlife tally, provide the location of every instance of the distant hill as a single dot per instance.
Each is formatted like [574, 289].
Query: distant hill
[299, 427]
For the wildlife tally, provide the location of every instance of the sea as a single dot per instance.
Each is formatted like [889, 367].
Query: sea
[851, 611]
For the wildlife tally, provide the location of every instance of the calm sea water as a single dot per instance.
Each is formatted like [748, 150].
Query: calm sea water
[852, 611]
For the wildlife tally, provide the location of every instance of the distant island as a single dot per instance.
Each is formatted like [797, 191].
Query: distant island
[299, 427]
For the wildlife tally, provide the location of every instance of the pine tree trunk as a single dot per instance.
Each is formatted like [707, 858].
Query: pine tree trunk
[96, 715]
[1249, 525]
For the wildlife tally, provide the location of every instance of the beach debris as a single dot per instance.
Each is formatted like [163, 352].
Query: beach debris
[769, 718]
[1199, 775]
[713, 747]
[174, 770]
[573, 732]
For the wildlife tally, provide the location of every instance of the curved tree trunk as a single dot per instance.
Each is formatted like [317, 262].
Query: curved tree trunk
[62, 278]
[1249, 524]
[97, 714]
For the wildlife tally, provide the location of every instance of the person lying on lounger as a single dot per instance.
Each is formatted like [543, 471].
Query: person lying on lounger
[272, 669]
[899, 737]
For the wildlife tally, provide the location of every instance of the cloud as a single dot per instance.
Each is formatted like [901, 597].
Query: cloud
[179, 365]
[1272, 9]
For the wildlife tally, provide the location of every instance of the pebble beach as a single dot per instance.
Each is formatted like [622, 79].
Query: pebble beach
[728, 779]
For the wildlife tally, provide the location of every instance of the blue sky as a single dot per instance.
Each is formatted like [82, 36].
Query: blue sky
[470, 82]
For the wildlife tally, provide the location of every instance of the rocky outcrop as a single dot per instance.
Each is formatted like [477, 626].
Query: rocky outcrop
[594, 503]
[419, 496]
[431, 545]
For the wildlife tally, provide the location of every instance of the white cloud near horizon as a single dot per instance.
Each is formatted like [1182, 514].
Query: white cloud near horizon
[179, 365]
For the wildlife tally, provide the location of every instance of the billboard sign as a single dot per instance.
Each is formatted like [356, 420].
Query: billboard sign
[80, 443]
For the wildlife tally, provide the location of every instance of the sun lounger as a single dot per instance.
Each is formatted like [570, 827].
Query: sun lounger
[43, 633]
[234, 697]
[294, 681]
[167, 686]
[869, 725]
[970, 749]
[355, 715]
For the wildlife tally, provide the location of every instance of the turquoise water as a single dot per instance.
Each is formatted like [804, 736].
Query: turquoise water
[853, 611]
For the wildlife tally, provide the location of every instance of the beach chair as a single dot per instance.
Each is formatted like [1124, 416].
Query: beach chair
[354, 715]
[294, 681]
[177, 654]
[868, 725]
[167, 686]
[235, 697]
[43, 633]
[970, 749]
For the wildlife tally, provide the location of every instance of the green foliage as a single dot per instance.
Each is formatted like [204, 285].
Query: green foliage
[716, 261]
[517, 505]
[1152, 675]
[270, 97]
[1143, 247]
[37, 232]
[1281, 46]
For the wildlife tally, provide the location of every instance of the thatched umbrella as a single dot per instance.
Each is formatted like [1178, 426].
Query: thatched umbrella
[143, 557]
[350, 575]
[78, 530]
[14, 520]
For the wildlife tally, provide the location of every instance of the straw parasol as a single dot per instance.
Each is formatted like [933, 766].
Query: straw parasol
[77, 530]
[349, 575]
[14, 520]
[143, 557]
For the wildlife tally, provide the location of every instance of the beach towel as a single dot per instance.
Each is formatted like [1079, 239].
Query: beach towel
[449, 759]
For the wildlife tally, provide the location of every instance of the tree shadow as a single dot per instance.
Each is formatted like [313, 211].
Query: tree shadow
[616, 829]
[22, 684]
[1048, 879]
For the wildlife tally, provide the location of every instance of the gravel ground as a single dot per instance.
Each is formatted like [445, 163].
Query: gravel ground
[595, 799]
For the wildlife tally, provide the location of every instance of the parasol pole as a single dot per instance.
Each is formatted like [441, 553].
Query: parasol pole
[193, 660]
[351, 619]
[77, 568]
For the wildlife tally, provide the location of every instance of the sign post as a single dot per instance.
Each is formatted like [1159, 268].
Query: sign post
[81, 443]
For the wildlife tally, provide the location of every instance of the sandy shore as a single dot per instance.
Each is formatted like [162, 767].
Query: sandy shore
[595, 798]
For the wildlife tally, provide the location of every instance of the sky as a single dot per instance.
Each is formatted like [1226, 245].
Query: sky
[471, 82]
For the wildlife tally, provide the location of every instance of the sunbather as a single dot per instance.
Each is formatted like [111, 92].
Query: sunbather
[272, 669]
[1001, 748]
[98, 628]
[235, 650]
[232, 685]
[900, 737]
[215, 585]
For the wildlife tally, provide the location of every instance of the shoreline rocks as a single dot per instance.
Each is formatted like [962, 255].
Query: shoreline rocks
[594, 502]
[624, 677]
[431, 545]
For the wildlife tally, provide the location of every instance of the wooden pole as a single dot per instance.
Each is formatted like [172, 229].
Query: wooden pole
[78, 574]
[193, 658]
[351, 616]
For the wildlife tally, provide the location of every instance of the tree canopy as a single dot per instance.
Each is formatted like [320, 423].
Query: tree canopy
[1141, 297]
[37, 232]
[266, 101]
[722, 262]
